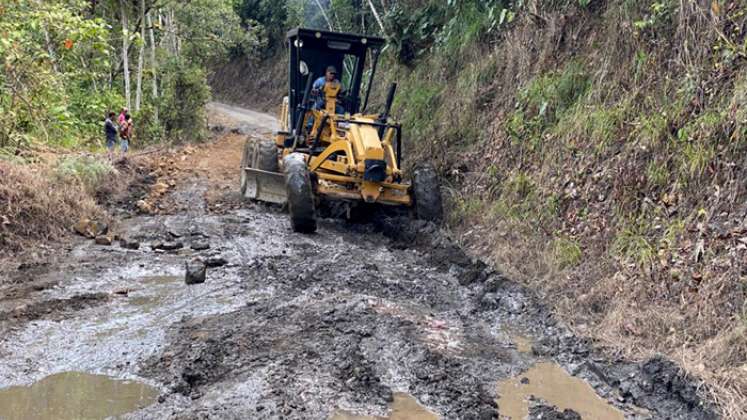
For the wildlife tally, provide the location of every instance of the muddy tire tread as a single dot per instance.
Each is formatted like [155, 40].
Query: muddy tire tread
[246, 158]
[427, 194]
[301, 206]
[266, 155]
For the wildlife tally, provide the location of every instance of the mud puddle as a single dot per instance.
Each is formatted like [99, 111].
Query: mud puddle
[551, 383]
[404, 407]
[74, 395]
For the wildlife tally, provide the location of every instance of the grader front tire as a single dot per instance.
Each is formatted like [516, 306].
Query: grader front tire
[301, 206]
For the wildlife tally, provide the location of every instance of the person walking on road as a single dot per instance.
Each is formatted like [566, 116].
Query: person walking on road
[110, 130]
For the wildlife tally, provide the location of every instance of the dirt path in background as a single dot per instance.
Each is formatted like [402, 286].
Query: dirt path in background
[381, 320]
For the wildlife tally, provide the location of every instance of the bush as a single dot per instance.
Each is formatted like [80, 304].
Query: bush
[89, 171]
[185, 95]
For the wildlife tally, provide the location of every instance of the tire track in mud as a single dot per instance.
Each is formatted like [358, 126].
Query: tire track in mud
[300, 326]
[354, 317]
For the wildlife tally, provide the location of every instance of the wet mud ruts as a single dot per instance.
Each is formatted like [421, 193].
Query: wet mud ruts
[309, 326]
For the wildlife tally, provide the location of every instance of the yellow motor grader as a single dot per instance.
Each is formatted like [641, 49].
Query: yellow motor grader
[329, 147]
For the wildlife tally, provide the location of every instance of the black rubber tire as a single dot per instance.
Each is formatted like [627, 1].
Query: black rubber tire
[258, 154]
[301, 206]
[266, 155]
[246, 158]
[426, 189]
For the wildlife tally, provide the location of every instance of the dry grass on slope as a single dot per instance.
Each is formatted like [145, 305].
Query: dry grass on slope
[38, 205]
[611, 178]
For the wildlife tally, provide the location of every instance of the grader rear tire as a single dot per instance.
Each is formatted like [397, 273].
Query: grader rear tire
[426, 190]
[246, 159]
[301, 206]
[267, 155]
[258, 154]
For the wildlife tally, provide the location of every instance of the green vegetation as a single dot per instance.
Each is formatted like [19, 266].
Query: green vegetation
[65, 63]
[566, 252]
[87, 170]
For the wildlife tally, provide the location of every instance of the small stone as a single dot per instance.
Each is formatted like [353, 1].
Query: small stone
[217, 128]
[489, 300]
[128, 244]
[216, 262]
[512, 304]
[90, 229]
[167, 246]
[493, 283]
[200, 245]
[196, 272]
[525, 381]
[103, 240]
[144, 207]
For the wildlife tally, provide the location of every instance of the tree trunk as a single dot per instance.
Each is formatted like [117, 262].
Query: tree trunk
[175, 38]
[324, 14]
[153, 65]
[140, 59]
[125, 58]
[378, 18]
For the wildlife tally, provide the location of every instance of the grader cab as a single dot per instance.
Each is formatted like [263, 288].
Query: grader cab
[329, 146]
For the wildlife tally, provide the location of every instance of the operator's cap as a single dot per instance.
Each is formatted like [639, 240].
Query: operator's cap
[332, 69]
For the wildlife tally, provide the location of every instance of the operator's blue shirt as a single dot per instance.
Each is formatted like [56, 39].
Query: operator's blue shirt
[317, 87]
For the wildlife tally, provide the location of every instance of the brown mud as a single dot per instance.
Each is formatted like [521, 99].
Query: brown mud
[365, 320]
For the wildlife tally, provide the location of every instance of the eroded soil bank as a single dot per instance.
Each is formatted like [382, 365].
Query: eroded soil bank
[384, 319]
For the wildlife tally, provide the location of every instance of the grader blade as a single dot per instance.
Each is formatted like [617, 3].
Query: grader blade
[265, 186]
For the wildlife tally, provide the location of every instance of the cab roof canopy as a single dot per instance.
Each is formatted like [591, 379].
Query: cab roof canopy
[315, 38]
[313, 50]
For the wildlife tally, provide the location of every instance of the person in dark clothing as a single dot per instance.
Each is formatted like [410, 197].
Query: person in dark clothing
[110, 130]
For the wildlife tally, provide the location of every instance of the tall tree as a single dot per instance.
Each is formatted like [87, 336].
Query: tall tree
[125, 52]
[140, 58]
[153, 64]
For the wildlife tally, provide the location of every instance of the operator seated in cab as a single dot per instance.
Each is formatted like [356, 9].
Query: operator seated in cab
[327, 87]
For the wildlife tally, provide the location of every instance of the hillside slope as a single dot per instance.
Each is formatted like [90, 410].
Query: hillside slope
[595, 150]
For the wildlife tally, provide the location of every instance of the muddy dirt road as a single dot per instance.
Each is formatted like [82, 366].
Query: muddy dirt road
[387, 319]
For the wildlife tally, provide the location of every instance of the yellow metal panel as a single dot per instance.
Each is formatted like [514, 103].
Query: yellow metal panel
[388, 197]
[338, 146]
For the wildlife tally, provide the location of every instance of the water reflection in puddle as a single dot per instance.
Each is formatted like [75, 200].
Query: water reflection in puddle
[404, 407]
[74, 395]
[553, 384]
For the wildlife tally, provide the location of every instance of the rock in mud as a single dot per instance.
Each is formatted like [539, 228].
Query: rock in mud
[103, 240]
[128, 243]
[539, 410]
[217, 128]
[196, 272]
[512, 304]
[489, 301]
[216, 262]
[90, 228]
[145, 207]
[167, 246]
[200, 245]
[493, 284]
